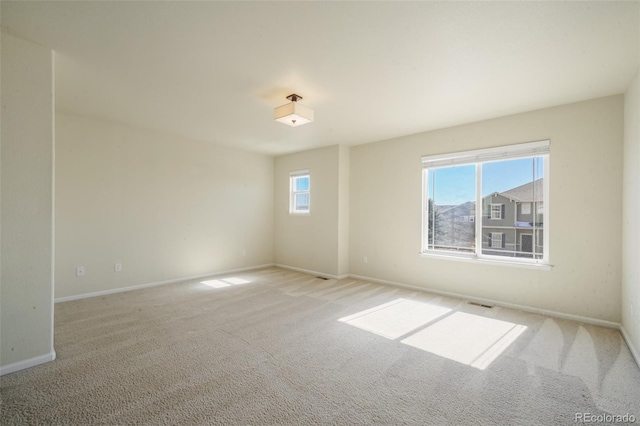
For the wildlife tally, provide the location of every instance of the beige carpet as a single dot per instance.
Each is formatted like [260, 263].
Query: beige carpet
[281, 347]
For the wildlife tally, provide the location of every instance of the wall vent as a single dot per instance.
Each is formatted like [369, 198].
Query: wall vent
[480, 304]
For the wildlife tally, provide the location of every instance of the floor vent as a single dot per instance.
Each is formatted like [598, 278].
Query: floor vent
[480, 304]
[322, 278]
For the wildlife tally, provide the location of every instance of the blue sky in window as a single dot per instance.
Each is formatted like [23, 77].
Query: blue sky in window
[452, 185]
[456, 185]
[302, 183]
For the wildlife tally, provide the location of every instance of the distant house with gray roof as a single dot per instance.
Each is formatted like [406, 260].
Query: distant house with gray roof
[513, 221]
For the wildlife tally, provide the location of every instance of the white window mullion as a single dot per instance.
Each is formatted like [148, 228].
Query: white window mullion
[479, 209]
[425, 210]
[545, 210]
[534, 237]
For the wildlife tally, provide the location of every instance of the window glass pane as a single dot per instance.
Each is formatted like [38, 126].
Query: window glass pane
[302, 202]
[496, 211]
[302, 183]
[509, 190]
[451, 194]
[496, 239]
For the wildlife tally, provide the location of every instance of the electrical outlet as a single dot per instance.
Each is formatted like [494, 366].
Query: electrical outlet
[117, 267]
[80, 271]
[365, 260]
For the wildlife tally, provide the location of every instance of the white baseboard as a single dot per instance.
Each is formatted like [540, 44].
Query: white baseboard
[578, 318]
[632, 349]
[27, 363]
[307, 271]
[159, 283]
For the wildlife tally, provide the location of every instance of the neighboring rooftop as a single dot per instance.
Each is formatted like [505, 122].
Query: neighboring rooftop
[532, 191]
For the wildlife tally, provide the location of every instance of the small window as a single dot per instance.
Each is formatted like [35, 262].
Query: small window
[496, 211]
[496, 239]
[300, 192]
[525, 208]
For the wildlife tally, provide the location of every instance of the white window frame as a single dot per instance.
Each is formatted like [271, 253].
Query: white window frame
[293, 208]
[499, 211]
[528, 208]
[494, 239]
[478, 157]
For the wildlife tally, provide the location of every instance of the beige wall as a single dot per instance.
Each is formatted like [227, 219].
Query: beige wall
[343, 210]
[314, 242]
[26, 281]
[165, 208]
[585, 198]
[631, 218]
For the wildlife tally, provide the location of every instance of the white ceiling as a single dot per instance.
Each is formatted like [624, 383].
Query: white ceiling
[214, 71]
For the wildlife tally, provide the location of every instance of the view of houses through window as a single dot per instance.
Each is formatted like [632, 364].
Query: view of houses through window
[509, 221]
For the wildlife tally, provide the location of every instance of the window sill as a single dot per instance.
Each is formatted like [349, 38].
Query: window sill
[483, 261]
[299, 214]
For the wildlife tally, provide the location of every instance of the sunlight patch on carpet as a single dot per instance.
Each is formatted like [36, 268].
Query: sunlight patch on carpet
[466, 338]
[396, 318]
[224, 282]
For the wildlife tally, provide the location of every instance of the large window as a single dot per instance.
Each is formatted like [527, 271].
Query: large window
[488, 204]
[300, 192]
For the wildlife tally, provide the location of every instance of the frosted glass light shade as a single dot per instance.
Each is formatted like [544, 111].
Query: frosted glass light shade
[293, 114]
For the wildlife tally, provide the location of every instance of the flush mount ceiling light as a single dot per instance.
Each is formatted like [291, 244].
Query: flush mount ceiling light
[293, 114]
